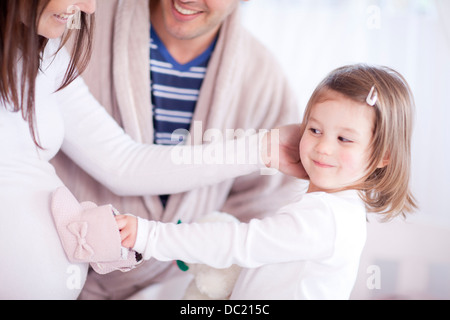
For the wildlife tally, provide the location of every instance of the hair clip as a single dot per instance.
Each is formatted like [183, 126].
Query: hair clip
[372, 98]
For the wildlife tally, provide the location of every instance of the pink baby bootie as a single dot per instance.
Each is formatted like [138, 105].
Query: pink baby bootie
[90, 234]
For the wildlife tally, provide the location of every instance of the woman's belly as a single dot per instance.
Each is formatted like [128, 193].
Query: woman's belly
[34, 265]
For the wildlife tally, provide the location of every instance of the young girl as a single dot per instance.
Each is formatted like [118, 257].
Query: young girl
[356, 151]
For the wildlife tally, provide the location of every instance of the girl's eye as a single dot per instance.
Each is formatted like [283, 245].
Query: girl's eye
[342, 139]
[314, 131]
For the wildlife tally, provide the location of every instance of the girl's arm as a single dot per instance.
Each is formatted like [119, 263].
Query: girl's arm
[301, 231]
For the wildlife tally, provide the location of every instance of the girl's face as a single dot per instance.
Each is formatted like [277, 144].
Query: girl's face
[335, 147]
[54, 19]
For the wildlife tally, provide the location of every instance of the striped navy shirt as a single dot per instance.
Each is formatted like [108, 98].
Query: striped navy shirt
[175, 89]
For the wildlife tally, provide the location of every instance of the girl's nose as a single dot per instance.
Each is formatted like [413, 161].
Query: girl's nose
[324, 146]
[87, 6]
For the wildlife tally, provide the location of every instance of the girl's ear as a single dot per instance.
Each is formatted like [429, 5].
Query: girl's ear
[385, 161]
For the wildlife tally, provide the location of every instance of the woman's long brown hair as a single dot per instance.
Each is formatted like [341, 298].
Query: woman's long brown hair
[22, 47]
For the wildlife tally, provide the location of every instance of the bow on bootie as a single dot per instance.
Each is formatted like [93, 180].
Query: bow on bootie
[83, 251]
[90, 234]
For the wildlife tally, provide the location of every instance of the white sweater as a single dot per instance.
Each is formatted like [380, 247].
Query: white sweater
[34, 265]
[308, 250]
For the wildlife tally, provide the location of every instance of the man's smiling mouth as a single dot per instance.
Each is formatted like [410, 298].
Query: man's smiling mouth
[184, 11]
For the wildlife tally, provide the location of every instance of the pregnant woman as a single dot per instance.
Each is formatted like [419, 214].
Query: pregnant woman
[43, 107]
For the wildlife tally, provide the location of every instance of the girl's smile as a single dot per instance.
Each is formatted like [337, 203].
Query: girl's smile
[322, 165]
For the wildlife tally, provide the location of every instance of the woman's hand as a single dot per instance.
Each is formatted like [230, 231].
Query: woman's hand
[128, 230]
[281, 150]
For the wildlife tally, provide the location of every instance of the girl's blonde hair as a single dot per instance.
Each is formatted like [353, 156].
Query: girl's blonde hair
[385, 190]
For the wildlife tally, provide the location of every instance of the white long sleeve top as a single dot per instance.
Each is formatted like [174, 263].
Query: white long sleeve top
[33, 264]
[308, 250]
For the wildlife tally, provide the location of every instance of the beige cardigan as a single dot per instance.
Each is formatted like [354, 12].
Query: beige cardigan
[243, 88]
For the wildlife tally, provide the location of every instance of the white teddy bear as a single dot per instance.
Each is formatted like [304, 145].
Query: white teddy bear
[210, 283]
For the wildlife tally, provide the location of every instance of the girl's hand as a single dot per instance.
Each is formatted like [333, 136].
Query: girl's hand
[128, 230]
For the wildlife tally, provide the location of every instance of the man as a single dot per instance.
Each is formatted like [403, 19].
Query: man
[193, 66]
